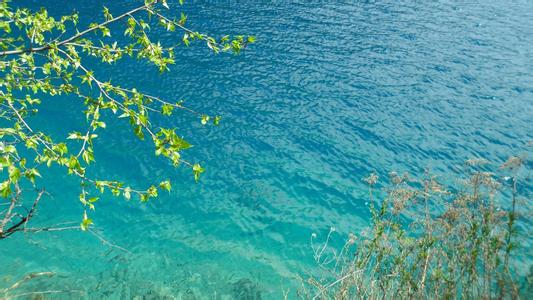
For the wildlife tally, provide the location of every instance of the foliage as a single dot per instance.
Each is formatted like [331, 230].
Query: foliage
[428, 241]
[42, 56]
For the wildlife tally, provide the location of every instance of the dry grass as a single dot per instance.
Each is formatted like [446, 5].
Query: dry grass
[428, 240]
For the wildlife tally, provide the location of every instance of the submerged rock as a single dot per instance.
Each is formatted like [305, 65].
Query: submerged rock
[245, 289]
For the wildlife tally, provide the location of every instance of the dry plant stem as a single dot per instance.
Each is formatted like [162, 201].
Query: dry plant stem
[24, 219]
[18, 296]
[8, 216]
[25, 279]
[318, 254]
[50, 229]
[4, 294]
[512, 216]
[428, 232]
[105, 242]
[445, 244]
[91, 231]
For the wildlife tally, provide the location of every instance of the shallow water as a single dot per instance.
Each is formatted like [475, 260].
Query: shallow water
[331, 91]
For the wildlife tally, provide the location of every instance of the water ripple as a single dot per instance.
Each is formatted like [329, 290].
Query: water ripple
[331, 91]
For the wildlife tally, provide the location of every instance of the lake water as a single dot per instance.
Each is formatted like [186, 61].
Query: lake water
[331, 91]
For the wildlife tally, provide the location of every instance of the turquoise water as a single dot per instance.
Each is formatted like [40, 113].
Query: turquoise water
[331, 91]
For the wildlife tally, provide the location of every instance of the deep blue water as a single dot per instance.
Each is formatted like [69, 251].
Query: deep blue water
[331, 91]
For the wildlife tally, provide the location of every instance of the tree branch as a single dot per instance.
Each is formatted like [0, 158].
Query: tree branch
[17, 227]
[76, 36]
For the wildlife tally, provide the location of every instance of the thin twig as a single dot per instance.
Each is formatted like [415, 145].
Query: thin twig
[27, 278]
[335, 282]
[76, 36]
[16, 227]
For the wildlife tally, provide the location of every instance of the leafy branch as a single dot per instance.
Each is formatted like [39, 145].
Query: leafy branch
[37, 61]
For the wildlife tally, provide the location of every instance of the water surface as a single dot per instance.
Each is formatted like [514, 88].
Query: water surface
[331, 91]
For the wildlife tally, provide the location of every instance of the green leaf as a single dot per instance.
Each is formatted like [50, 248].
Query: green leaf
[186, 39]
[165, 185]
[197, 170]
[180, 144]
[87, 156]
[73, 162]
[216, 120]
[5, 189]
[204, 119]
[127, 193]
[138, 130]
[107, 15]
[152, 191]
[144, 197]
[31, 174]
[14, 174]
[183, 19]
[84, 225]
[75, 136]
[167, 109]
